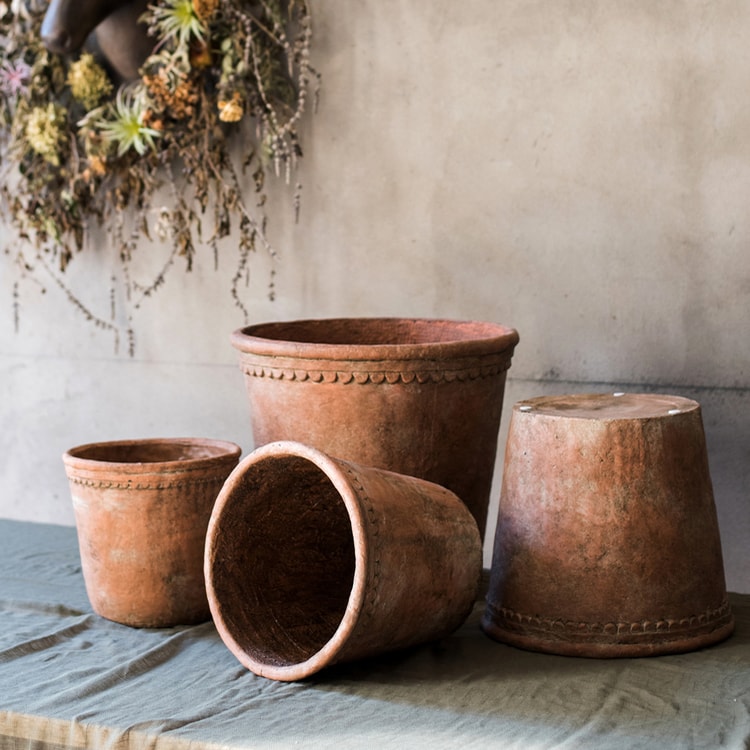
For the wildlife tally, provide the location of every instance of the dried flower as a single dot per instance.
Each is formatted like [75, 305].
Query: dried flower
[177, 95]
[45, 131]
[127, 128]
[152, 120]
[232, 110]
[205, 9]
[213, 61]
[177, 19]
[14, 78]
[200, 54]
[98, 165]
[88, 81]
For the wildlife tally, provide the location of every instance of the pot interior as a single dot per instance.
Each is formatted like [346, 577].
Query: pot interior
[150, 451]
[375, 331]
[283, 561]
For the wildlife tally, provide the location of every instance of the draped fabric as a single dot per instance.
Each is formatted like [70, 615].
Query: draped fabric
[70, 679]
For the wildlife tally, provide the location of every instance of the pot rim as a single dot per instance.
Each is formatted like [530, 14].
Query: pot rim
[470, 338]
[335, 472]
[79, 457]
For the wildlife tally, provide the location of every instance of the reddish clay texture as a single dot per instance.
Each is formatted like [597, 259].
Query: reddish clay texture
[607, 540]
[417, 397]
[312, 560]
[142, 508]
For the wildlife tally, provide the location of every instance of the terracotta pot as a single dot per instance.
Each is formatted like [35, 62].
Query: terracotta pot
[142, 508]
[312, 560]
[418, 397]
[607, 540]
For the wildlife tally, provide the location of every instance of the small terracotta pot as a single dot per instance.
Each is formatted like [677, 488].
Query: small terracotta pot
[418, 397]
[142, 508]
[607, 539]
[312, 560]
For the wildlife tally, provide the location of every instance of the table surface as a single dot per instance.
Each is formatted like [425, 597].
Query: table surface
[69, 678]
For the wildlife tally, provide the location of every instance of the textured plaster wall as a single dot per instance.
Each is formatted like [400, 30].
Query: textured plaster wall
[578, 170]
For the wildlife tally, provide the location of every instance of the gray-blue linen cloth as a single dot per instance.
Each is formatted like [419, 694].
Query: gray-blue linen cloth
[69, 678]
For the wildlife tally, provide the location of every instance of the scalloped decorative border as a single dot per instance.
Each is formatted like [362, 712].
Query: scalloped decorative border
[593, 632]
[372, 376]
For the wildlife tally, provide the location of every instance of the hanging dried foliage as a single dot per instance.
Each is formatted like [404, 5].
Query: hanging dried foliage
[220, 96]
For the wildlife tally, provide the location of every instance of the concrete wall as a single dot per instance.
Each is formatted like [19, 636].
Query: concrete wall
[579, 170]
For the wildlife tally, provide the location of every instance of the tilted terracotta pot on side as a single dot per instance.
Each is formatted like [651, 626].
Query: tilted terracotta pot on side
[142, 508]
[312, 560]
[419, 397]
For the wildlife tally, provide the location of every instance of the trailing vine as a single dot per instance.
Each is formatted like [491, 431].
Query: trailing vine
[219, 99]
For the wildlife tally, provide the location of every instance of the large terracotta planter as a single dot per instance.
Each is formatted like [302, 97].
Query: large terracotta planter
[607, 539]
[418, 397]
[142, 508]
[312, 560]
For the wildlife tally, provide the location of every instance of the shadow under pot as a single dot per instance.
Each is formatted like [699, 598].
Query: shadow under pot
[142, 508]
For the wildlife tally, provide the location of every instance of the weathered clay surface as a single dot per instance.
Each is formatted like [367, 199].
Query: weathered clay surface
[312, 560]
[607, 541]
[418, 397]
[142, 508]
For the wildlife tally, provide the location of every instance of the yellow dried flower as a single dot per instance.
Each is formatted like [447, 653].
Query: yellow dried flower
[185, 97]
[179, 98]
[45, 131]
[204, 9]
[232, 110]
[97, 165]
[88, 81]
[152, 120]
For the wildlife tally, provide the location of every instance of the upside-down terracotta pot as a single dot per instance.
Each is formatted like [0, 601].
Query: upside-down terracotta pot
[312, 560]
[418, 397]
[607, 540]
[142, 508]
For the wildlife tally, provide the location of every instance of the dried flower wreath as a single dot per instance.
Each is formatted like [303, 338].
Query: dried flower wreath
[79, 147]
